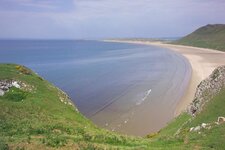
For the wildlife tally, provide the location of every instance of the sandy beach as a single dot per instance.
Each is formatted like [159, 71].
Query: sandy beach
[203, 61]
[127, 88]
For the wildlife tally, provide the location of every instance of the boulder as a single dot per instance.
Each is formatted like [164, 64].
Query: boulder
[15, 84]
[4, 88]
[221, 120]
[2, 92]
[204, 125]
[197, 128]
[191, 129]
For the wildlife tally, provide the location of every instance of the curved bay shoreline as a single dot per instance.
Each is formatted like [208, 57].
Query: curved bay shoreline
[203, 61]
[133, 90]
[158, 109]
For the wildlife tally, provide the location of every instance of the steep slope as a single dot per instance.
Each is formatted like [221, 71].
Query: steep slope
[36, 115]
[209, 36]
[206, 128]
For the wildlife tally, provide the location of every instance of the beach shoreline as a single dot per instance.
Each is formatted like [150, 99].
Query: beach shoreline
[202, 60]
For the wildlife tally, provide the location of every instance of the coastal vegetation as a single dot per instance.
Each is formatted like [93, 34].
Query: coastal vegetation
[37, 115]
[209, 36]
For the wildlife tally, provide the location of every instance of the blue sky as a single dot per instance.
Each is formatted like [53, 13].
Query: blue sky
[78, 19]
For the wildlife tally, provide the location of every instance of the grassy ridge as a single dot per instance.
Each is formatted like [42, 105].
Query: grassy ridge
[210, 36]
[38, 119]
[41, 119]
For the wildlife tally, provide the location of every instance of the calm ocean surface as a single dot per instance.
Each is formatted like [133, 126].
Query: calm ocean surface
[111, 83]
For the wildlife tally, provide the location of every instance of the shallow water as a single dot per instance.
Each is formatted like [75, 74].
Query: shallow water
[127, 88]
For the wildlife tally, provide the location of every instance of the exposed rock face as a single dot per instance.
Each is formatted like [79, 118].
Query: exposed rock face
[207, 89]
[5, 85]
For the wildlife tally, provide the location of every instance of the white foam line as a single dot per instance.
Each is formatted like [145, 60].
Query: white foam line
[147, 93]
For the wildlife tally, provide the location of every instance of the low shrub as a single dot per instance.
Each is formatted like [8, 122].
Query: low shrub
[15, 95]
[23, 70]
[152, 135]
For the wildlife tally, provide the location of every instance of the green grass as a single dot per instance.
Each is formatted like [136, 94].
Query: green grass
[210, 36]
[37, 119]
[175, 125]
[213, 138]
[212, 110]
[178, 130]
[15, 95]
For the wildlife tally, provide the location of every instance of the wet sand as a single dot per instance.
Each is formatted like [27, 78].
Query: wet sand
[203, 61]
[128, 88]
[144, 114]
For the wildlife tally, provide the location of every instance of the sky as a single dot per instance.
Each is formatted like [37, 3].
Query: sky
[97, 19]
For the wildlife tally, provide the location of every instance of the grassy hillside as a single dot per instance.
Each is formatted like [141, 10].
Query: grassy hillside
[40, 117]
[210, 36]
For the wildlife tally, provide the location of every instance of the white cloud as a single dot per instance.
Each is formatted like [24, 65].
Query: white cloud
[105, 18]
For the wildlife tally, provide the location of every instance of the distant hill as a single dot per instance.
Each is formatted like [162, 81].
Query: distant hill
[209, 36]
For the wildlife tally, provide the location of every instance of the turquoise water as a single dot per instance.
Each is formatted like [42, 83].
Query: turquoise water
[111, 83]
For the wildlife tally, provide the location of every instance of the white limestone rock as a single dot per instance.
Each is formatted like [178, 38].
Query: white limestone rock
[15, 84]
[2, 92]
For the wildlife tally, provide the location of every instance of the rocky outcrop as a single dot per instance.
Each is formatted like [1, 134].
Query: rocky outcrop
[208, 126]
[207, 89]
[5, 85]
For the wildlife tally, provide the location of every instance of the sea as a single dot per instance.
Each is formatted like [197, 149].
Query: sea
[128, 88]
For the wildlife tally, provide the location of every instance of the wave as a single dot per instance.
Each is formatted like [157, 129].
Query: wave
[147, 93]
